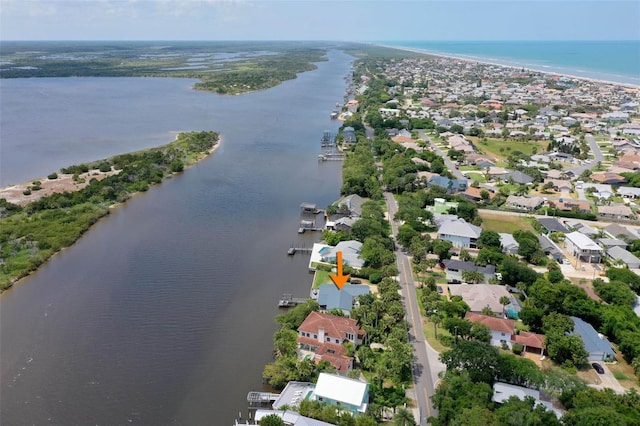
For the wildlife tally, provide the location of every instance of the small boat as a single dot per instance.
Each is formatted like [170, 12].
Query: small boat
[334, 115]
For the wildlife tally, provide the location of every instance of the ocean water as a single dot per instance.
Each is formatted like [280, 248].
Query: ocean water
[615, 61]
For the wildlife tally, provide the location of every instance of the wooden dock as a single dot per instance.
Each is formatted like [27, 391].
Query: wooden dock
[302, 229]
[324, 157]
[294, 250]
[261, 398]
[288, 301]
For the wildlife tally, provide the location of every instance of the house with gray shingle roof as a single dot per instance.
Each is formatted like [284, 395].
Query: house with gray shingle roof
[460, 232]
[517, 177]
[508, 243]
[595, 344]
[620, 232]
[617, 253]
[330, 297]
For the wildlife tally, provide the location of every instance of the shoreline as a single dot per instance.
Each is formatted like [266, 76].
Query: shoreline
[65, 183]
[515, 67]
[14, 193]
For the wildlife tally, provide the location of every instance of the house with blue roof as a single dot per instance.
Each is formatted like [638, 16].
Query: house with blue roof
[330, 297]
[595, 344]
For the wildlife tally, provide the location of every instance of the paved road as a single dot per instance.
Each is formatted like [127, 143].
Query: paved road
[452, 167]
[597, 156]
[424, 378]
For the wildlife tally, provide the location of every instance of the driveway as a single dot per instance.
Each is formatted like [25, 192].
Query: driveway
[607, 380]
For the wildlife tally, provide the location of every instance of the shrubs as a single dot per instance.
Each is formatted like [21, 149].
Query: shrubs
[517, 348]
[53, 176]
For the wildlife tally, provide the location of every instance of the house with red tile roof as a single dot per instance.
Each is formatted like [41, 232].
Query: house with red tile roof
[531, 342]
[501, 329]
[321, 336]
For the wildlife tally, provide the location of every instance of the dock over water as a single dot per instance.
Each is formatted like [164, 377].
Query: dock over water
[261, 398]
[288, 301]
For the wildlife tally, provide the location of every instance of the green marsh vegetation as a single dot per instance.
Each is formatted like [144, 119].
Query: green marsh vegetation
[31, 234]
[222, 67]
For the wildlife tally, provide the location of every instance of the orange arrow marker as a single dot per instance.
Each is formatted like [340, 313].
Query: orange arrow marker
[339, 280]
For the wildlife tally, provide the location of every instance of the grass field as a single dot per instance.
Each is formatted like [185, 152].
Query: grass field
[501, 148]
[501, 223]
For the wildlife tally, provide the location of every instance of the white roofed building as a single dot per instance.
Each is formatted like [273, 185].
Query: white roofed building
[582, 247]
[350, 394]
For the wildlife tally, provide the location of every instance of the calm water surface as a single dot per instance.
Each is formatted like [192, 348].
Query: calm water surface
[163, 313]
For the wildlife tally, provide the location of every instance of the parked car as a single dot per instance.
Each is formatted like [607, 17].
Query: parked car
[598, 368]
[439, 289]
[356, 282]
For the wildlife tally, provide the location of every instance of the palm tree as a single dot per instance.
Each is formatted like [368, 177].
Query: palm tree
[504, 301]
[472, 277]
[404, 417]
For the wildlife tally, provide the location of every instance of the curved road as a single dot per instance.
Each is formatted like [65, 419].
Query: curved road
[424, 358]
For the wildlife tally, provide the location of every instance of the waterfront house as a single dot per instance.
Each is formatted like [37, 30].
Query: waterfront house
[350, 253]
[349, 136]
[345, 299]
[289, 417]
[582, 247]
[344, 224]
[348, 394]
[460, 232]
[351, 205]
[596, 345]
[321, 337]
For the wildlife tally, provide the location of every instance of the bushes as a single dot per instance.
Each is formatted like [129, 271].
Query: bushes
[31, 235]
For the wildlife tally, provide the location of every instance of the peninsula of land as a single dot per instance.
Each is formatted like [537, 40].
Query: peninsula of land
[41, 217]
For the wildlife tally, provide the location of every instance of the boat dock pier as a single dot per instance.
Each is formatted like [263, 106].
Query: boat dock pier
[261, 398]
[288, 301]
[331, 157]
[294, 250]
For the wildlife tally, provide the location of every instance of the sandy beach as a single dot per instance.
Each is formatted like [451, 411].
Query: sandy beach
[15, 194]
[511, 66]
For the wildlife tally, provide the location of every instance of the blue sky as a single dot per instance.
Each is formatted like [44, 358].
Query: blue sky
[351, 20]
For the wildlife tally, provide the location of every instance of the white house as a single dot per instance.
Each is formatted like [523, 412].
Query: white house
[351, 394]
[501, 329]
[583, 247]
[460, 232]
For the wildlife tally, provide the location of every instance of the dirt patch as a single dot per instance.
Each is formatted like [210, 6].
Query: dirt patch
[19, 194]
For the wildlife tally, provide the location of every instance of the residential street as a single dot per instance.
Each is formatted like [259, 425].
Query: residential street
[426, 363]
[452, 167]
[597, 155]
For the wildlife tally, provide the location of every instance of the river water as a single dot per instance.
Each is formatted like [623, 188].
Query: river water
[163, 313]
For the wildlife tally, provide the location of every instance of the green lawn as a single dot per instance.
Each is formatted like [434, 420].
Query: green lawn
[321, 277]
[477, 177]
[501, 148]
[501, 223]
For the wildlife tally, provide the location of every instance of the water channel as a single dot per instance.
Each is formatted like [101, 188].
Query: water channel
[162, 314]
